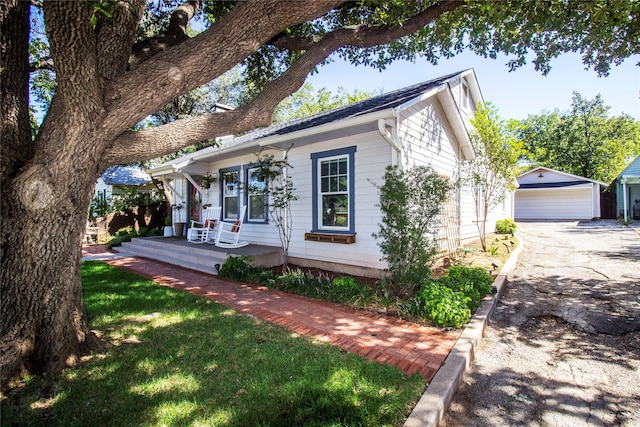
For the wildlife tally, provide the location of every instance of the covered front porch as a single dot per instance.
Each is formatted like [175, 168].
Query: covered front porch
[199, 257]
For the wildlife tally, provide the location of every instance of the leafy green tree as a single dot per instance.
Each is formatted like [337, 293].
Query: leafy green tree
[584, 141]
[490, 174]
[306, 102]
[111, 72]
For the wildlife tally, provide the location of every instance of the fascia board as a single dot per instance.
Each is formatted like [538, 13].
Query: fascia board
[457, 123]
[419, 99]
[472, 82]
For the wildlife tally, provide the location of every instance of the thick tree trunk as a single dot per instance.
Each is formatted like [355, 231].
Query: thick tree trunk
[46, 187]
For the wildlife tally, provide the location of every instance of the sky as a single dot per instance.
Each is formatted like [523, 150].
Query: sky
[516, 94]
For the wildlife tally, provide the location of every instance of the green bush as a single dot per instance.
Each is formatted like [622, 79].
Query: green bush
[266, 278]
[474, 282]
[505, 226]
[442, 305]
[410, 203]
[301, 283]
[346, 289]
[126, 234]
[122, 235]
[237, 268]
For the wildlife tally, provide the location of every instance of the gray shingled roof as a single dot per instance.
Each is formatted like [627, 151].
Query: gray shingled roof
[377, 103]
[125, 175]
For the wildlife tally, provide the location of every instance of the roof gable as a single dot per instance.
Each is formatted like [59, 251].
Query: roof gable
[557, 176]
[632, 170]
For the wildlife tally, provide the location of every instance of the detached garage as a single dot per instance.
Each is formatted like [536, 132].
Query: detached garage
[548, 194]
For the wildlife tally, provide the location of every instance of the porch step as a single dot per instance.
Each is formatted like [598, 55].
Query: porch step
[202, 257]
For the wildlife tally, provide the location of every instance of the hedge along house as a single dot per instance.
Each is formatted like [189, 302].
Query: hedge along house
[627, 185]
[548, 194]
[350, 148]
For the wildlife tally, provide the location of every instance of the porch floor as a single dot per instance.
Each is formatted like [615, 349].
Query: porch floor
[200, 257]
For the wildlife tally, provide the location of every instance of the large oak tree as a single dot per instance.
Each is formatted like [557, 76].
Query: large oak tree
[108, 79]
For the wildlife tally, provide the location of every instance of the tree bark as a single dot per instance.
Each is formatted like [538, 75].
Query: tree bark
[45, 192]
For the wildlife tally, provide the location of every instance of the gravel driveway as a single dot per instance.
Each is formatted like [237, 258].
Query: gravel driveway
[563, 346]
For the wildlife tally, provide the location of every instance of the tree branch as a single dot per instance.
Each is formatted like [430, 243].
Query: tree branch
[368, 36]
[15, 135]
[203, 58]
[365, 36]
[41, 64]
[115, 36]
[293, 43]
[72, 44]
[176, 33]
[162, 140]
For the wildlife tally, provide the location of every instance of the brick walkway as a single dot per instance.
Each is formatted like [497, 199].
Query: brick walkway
[408, 346]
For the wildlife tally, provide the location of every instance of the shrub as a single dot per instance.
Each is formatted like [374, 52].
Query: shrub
[266, 278]
[237, 268]
[410, 203]
[126, 234]
[346, 288]
[301, 283]
[505, 226]
[473, 282]
[442, 305]
[122, 235]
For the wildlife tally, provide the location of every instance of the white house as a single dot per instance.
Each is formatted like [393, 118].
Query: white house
[117, 180]
[548, 194]
[335, 158]
[628, 191]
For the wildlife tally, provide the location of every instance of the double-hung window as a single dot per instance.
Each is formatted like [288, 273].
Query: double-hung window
[230, 192]
[256, 186]
[333, 190]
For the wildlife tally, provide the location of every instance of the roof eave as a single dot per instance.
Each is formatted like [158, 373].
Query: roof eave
[456, 121]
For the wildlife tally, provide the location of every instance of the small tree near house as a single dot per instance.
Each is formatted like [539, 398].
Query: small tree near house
[490, 174]
[410, 203]
[276, 185]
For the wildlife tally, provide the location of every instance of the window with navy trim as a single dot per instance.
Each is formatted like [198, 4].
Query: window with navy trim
[333, 190]
[256, 194]
[230, 193]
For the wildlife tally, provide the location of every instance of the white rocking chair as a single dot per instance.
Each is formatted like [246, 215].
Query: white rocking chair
[205, 231]
[229, 232]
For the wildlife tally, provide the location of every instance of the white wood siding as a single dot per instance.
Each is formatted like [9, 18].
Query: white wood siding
[102, 190]
[427, 139]
[371, 158]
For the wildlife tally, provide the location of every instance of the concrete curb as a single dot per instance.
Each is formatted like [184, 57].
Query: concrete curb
[435, 401]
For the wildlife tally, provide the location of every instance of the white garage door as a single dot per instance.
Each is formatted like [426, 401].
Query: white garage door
[554, 203]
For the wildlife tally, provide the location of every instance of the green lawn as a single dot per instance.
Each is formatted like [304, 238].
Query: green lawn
[178, 360]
